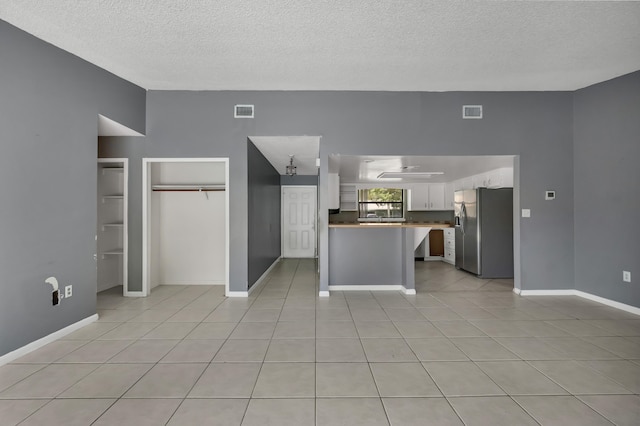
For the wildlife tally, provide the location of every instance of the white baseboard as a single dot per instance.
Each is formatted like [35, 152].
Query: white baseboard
[7, 358]
[364, 287]
[324, 294]
[584, 295]
[608, 302]
[516, 291]
[134, 294]
[567, 292]
[216, 282]
[257, 284]
[372, 288]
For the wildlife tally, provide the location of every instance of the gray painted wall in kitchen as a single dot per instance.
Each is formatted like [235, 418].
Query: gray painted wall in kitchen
[607, 197]
[49, 106]
[263, 190]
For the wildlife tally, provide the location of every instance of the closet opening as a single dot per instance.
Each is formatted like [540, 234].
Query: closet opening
[111, 229]
[185, 222]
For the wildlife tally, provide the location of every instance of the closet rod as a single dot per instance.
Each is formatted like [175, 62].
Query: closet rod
[188, 188]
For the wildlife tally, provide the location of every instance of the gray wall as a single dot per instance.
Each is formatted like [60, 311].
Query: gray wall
[307, 180]
[49, 106]
[263, 190]
[607, 192]
[536, 126]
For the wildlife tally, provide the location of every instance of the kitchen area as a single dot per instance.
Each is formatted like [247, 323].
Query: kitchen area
[386, 213]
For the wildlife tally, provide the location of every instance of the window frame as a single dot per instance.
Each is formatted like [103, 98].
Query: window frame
[362, 212]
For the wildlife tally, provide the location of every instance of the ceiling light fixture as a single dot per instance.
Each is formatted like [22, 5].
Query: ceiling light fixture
[291, 169]
[408, 175]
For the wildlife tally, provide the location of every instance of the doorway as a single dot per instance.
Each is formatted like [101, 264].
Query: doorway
[185, 226]
[111, 227]
[299, 221]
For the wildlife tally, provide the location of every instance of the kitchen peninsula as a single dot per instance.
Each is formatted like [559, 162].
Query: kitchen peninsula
[375, 255]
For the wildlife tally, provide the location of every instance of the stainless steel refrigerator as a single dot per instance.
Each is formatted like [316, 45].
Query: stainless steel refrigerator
[484, 232]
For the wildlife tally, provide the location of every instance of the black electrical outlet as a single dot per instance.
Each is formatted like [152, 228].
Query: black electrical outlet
[56, 297]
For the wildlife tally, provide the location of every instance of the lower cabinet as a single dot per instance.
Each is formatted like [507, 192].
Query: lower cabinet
[450, 245]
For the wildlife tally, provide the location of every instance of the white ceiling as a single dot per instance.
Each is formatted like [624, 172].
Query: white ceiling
[277, 150]
[365, 169]
[108, 127]
[412, 45]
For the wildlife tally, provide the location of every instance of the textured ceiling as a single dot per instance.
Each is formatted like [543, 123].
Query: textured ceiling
[412, 45]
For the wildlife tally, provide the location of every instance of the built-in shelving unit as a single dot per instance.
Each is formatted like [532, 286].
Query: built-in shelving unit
[348, 197]
[111, 232]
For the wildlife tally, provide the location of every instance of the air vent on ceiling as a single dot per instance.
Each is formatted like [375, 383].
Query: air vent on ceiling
[472, 111]
[243, 111]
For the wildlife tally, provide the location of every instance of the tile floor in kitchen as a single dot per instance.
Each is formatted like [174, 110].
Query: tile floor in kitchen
[462, 351]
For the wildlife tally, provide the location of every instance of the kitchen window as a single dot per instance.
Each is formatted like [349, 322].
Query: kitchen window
[380, 203]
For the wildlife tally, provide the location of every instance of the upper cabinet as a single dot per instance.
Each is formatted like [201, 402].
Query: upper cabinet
[498, 178]
[348, 198]
[334, 191]
[449, 193]
[428, 196]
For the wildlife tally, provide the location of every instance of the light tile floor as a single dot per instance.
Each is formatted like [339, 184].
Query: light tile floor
[462, 351]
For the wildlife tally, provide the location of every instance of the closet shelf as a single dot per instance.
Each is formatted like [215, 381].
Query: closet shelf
[112, 169]
[189, 187]
[117, 252]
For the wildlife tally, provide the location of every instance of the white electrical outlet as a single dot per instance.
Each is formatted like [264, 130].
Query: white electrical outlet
[526, 213]
[68, 291]
[626, 276]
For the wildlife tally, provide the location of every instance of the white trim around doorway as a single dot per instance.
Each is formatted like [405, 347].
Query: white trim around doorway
[146, 194]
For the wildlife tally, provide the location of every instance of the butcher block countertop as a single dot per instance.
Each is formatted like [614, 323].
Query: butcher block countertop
[389, 225]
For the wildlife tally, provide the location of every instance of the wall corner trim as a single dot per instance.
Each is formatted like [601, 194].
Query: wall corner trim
[238, 294]
[30, 347]
[608, 302]
[408, 291]
[324, 294]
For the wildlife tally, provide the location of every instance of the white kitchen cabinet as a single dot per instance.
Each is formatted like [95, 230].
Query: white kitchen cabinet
[418, 197]
[450, 245]
[436, 196]
[334, 191]
[428, 196]
[449, 193]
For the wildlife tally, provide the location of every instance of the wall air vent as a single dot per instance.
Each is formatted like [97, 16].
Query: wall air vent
[472, 111]
[243, 111]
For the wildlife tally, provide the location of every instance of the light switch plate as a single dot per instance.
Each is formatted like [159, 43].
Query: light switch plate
[549, 195]
[626, 276]
[526, 213]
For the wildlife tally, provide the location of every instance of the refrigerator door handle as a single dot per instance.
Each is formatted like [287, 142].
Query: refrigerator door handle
[463, 217]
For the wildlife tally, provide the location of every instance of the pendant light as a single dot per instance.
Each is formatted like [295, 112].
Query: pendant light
[291, 169]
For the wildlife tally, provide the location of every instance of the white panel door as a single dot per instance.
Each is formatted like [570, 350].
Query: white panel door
[298, 221]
